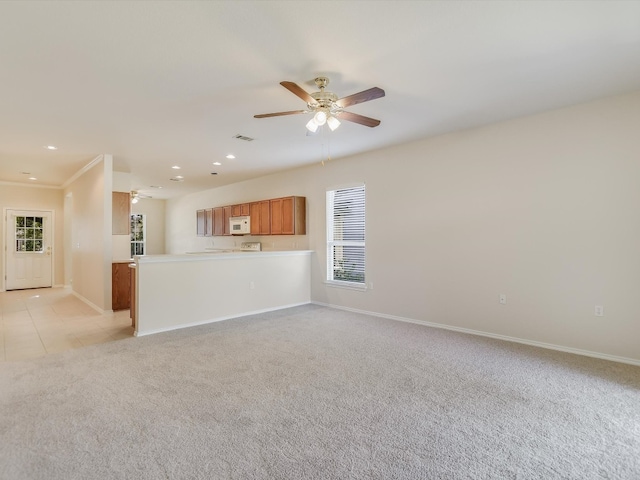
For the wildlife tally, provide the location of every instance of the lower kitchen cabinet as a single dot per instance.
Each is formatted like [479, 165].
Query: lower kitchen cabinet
[120, 286]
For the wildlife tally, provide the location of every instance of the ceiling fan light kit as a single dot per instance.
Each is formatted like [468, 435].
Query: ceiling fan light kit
[135, 196]
[327, 107]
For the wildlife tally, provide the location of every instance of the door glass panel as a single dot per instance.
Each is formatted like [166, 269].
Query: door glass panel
[29, 234]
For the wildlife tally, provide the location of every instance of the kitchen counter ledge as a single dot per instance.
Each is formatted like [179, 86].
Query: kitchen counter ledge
[217, 255]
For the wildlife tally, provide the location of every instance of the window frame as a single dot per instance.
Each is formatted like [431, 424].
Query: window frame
[330, 279]
[142, 242]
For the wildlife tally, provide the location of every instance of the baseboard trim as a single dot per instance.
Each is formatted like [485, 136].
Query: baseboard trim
[218, 319]
[88, 302]
[533, 343]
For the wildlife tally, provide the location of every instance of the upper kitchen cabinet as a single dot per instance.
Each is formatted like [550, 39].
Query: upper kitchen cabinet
[278, 216]
[288, 216]
[226, 211]
[218, 221]
[260, 213]
[200, 223]
[121, 213]
[208, 222]
[240, 210]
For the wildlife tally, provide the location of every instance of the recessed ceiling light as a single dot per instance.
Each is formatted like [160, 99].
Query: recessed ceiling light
[156, 186]
[231, 156]
[176, 167]
[177, 179]
[214, 173]
[32, 178]
[51, 147]
[25, 173]
[217, 163]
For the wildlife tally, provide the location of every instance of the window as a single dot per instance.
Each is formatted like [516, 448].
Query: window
[345, 236]
[138, 234]
[28, 234]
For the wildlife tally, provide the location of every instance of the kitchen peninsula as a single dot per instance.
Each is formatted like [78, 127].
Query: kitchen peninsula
[179, 291]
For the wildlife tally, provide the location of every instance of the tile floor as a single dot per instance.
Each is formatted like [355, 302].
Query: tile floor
[48, 320]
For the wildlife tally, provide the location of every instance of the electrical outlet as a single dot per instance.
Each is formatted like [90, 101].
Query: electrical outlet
[503, 299]
[599, 311]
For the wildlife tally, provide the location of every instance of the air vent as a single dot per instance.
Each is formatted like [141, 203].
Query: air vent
[242, 137]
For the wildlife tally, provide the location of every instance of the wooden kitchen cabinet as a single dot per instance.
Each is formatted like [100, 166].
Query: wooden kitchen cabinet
[225, 218]
[120, 286]
[240, 210]
[278, 216]
[120, 213]
[200, 223]
[260, 213]
[288, 216]
[218, 221]
[208, 222]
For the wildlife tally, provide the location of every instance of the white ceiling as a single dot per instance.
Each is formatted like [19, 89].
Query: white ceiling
[158, 84]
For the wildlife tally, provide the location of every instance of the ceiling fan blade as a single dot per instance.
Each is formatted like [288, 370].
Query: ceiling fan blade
[361, 119]
[296, 90]
[279, 114]
[361, 97]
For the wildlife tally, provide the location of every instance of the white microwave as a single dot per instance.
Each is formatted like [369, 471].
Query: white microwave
[240, 225]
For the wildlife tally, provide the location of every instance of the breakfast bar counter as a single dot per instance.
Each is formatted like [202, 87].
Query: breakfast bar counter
[178, 291]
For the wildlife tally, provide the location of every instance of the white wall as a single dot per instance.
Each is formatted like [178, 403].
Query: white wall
[542, 209]
[25, 197]
[91, 242]
[154, 209]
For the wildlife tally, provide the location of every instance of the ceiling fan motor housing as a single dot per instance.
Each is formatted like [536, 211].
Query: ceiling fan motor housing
[325, 100]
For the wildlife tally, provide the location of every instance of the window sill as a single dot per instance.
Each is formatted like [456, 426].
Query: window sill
[346, 285]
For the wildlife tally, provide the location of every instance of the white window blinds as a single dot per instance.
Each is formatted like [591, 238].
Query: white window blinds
[346, 235]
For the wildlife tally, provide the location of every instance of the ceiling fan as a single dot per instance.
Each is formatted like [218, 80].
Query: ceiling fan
[135, 196]
[327, 107]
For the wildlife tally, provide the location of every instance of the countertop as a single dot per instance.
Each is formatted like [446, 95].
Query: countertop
[217, 254]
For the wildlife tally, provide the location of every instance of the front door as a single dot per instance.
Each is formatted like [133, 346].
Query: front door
[28, 259]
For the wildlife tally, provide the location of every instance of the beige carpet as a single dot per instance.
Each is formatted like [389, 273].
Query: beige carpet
[316, 393]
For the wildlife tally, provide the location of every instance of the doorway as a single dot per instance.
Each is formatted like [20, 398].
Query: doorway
[29, 249]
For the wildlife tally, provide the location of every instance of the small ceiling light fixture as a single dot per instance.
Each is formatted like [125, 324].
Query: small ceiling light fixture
[320, 118]
[217, 164]
[312, 126]
[51, 147]
[231, 156]
[176, 167]
[32, 178]
[333, 123]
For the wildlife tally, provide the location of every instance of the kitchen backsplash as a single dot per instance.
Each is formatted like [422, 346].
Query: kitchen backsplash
[270, 242]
